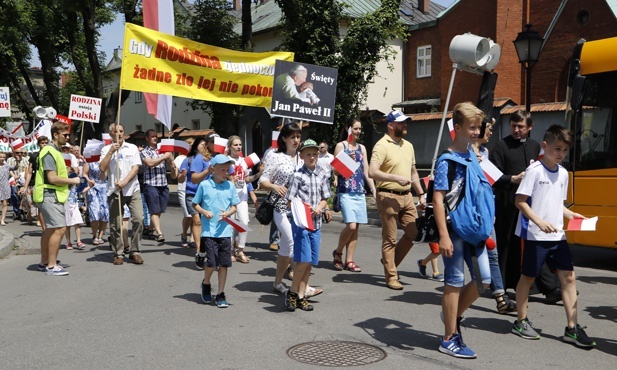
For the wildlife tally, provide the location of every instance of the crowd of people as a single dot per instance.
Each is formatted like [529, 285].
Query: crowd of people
[130, 184]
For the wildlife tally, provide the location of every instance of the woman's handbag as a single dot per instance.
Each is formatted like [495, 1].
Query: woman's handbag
[265, 212]
[336, 203]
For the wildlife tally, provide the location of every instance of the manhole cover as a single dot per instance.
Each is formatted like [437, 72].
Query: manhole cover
[336, 353]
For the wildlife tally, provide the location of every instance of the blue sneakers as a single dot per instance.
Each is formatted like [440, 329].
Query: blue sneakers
[206, 293]
[422, 269]
[455, 347]
[220, 301]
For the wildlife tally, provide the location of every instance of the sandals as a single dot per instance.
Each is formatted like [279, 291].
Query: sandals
[351, 266]
[338, 260]
[184, 242]
[80, 246]
[160, 238]
[311, 292]
[241, 257]
[504, 304]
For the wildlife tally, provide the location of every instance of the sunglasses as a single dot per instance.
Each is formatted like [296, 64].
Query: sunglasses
[66, 135]
[322, 147]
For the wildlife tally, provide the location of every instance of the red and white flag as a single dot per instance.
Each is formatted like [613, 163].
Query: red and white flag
[252, 160]
[17, 144]
[451, 128]
[159, 15]
[107, 139]
[583, 224]
[302, 214]
[344, 164]
[426, 180]
[12, 181]
[275, 137]
[241, 227]
[491, 171]
[173, 145]
[220, 145]
[541, 155]
[67, 159]
[349, 134]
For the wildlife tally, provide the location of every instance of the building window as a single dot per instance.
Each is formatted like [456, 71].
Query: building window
[195, 124]
[424, 61]
[139, 97]
[139, 127]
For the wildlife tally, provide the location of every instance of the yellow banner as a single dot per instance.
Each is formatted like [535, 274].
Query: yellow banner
[156, 62]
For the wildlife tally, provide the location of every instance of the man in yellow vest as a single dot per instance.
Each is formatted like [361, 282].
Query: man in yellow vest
[51, 189]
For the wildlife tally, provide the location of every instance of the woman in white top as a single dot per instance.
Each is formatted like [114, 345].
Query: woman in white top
[240, 179]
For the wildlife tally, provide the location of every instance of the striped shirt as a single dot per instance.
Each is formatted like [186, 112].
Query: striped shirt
[157, 175]
[311, 187]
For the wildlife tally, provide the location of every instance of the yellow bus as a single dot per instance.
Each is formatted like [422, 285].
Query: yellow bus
[592, 118]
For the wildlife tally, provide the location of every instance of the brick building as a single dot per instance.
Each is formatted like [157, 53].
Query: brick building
[501, 20]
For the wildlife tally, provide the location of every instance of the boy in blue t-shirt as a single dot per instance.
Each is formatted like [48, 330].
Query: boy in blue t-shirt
[215, 200]
[540, 198]
[456, 252]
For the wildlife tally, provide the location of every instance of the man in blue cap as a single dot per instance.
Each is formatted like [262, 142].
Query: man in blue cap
[393, 167]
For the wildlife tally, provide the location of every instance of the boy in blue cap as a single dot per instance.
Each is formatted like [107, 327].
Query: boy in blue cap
[215, 200]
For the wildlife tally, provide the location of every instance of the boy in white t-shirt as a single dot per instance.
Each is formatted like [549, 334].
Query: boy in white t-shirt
[540, 198]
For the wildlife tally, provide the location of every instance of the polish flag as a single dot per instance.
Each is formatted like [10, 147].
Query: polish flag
[275, 137]
[349, 134]
[302, 214]
[541, 155]
[17, 144]
[92, 151]
[159, 15]
[173, 145]
[491, 171]
[583, 224]
[67, 159]
[451, 128]
[107, 139]
[344, 164]
[252, 160]
[239, 226]
[12, 181]
[220, 145]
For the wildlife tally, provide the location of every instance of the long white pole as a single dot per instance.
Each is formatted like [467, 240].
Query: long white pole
[443, 120]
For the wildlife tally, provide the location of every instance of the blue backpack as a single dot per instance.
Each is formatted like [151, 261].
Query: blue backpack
[470, 202]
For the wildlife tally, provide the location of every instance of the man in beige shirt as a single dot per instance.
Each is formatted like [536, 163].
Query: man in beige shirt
[393, 167]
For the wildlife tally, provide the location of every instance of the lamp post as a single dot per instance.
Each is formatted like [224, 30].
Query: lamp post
[528, 45]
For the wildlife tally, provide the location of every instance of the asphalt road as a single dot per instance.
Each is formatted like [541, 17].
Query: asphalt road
[103, 316]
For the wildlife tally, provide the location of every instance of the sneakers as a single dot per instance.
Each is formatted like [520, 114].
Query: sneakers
[455, 347]
[553, 296]
[422, 269]
[206, 293]
[291, 301]
[280, 288]
[220, 301]
[394, 284]
[524, 329]
[578, 336]
[438, 277]
[200, 260]
[41, 267]
[304, 305]
[56, 271]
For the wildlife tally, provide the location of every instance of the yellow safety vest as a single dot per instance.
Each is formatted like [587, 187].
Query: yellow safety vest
[62, 191]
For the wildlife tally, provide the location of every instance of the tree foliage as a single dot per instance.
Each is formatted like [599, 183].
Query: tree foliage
[312, 30]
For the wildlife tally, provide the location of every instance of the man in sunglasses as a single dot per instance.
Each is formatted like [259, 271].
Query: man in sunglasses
[51, 191]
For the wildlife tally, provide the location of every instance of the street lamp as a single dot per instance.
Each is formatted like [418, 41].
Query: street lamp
[528, 45]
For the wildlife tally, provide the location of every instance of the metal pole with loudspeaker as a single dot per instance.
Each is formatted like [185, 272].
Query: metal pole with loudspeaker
[470, 53]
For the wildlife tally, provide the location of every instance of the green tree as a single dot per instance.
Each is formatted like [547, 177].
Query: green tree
[312, 31]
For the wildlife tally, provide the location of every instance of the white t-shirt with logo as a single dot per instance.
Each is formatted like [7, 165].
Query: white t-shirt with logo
[547, 190]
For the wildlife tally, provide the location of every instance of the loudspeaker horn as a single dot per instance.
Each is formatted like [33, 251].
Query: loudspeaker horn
[39, 112]
[51, 113]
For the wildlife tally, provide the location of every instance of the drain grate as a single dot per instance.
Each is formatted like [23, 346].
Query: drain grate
[336, 353]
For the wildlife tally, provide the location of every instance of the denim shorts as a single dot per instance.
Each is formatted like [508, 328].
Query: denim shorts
[556, 254]
[156, 198]
[188, 200]
[306, 245]
[454, 267]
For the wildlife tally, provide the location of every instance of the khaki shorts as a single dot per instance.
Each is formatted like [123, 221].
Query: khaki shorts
[52, 210]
